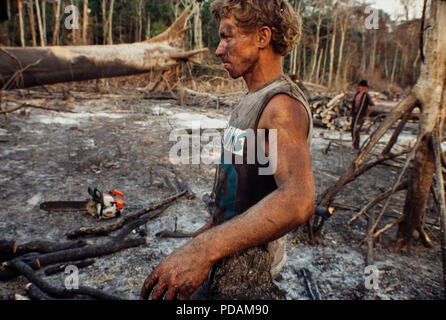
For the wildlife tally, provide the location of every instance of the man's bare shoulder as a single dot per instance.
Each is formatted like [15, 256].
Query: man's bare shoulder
[284, 111]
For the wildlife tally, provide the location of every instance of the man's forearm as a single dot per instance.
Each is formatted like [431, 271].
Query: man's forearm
[371, 109]
[276, 215]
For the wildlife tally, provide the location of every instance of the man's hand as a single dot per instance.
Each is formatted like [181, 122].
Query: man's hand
[179, 275]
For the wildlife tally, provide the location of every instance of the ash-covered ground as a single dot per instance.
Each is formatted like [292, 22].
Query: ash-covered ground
[121, 141]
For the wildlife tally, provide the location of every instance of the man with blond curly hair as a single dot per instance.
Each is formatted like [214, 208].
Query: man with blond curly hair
[254, 210]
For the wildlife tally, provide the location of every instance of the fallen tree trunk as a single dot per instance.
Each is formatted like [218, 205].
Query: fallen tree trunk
[41, 260]
[27, 67]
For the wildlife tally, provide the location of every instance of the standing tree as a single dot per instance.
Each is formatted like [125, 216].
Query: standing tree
[56, 10]
[344, 28]
[316, 42]
[110, 22]
[21, 26]
[198, 33]
[43, 9]
[85, 23]
[32, 24]
[39, 24]
[430, 93]
[332, 50]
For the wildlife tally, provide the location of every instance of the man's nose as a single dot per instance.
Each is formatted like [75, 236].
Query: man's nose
[220, 52]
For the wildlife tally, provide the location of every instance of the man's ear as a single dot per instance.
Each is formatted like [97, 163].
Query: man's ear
[264, 35]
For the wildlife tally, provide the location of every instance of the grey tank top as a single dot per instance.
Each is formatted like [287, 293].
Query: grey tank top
[239, 182]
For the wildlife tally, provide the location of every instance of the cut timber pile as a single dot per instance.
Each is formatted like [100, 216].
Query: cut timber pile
[331, 113]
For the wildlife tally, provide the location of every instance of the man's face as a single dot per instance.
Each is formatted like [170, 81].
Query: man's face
[237, 51]
[362, 88]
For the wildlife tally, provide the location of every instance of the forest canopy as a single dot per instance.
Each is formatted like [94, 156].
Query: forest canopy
[337, 47]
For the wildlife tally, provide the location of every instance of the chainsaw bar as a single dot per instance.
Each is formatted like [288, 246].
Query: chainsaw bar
[67, 206]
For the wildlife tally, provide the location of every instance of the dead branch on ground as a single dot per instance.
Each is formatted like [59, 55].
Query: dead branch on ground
[28, 272]
[61, 267]
[174, 234]
[310, 284]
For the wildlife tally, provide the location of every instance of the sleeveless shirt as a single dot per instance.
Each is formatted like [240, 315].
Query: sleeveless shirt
[240, 184]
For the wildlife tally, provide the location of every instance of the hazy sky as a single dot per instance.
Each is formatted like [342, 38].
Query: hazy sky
[394, 7]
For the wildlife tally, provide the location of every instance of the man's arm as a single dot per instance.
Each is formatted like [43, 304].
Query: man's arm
[371, 105]
[291, 205]
[350, 113]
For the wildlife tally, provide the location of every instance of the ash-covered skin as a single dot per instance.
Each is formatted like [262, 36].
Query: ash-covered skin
[235, 49]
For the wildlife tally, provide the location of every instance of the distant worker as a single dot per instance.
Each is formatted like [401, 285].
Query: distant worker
[362, 108]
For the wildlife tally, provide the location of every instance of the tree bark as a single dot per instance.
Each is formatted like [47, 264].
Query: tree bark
[104, 21]
[395, 62]
[56, 8]
[304, 62]
[85, 23]
[373, 53]
[43, 10]
[139, 13]
[431, 91]
[364, 52]
[110, 22]
[319, 66]
[21, 26]
[39, 24]
[30, 7]
[344, 28]
[316, 49]
[198, 36]
[332, 52]
[148, 30]
[420, 180]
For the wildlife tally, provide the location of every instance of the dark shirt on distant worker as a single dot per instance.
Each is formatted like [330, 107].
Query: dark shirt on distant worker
[361, 104]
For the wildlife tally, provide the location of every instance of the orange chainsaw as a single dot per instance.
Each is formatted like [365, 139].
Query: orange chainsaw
[101, 205]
